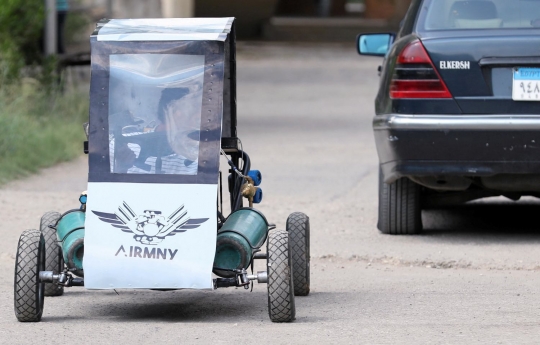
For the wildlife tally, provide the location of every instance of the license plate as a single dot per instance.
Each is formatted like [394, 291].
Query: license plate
[526, 85]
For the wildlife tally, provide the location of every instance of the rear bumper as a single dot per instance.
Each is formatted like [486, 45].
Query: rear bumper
[457, 145]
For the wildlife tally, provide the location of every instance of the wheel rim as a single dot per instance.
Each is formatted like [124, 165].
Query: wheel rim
[40, 285]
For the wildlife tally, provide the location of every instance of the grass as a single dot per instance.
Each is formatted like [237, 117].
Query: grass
[39, 128]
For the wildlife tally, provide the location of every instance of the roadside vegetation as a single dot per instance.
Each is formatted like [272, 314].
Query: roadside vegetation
[40, 117]
[38, 128]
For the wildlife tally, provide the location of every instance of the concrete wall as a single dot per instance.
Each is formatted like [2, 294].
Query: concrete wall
[137, 9]
[178, 8]
[254, 15]
[245, 10]
[141, 8]
[250, 15]
[386, 9]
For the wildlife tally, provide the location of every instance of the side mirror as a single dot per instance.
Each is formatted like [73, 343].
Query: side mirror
[374, 44]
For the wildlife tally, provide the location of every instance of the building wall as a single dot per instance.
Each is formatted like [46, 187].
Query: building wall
[137, 9]
[386, 9]
[178, 8]
[381, 9]
[250, 14]
[375, 9]
[141, 8]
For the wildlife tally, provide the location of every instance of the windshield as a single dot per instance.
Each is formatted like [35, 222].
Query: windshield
[155, 105]
[480, 14]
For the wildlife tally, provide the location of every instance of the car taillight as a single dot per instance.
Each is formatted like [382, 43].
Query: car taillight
[415, 76]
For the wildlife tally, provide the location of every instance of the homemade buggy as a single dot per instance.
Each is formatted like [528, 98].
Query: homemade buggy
[162, 113]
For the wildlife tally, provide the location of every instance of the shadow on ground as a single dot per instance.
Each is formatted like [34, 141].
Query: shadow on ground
[513, 222]
[187, 306]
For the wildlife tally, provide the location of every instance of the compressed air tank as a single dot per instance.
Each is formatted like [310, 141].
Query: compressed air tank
[70, 232]
[244, 231]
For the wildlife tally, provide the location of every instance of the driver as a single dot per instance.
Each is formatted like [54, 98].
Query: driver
[175, 112]
[172, 146]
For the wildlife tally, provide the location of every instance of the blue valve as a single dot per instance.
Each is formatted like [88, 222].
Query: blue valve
[257, 198]
[256, 176]
[82, 199]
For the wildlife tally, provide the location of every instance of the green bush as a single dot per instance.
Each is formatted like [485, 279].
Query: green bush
[38, 128]
[21, 27]
[39, 125]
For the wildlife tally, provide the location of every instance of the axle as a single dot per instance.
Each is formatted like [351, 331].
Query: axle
[241, 279]
[64, 279]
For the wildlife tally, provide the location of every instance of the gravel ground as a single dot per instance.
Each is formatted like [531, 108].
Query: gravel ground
[305, 116]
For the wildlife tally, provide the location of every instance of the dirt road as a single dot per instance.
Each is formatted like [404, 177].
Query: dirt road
[305, 119]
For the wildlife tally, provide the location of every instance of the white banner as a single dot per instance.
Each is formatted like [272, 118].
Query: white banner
[152, 236]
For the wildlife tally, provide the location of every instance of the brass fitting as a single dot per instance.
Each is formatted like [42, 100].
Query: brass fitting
[249, 190]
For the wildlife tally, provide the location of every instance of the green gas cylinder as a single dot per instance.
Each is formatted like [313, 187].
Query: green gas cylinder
[70, 232]
[243, 231]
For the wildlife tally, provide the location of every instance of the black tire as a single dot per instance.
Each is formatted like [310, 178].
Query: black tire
[29, 291]
[298, 229]
[400, 211]
[54, 261]
[280, 284]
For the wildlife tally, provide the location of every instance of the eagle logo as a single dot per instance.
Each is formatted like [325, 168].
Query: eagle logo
[150, 227]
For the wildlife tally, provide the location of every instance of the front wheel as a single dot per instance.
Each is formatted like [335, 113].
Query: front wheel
[281, 306]
[400, 211]
[29, 291]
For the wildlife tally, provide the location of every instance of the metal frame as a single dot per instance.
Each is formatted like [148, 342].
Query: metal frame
[213, 103]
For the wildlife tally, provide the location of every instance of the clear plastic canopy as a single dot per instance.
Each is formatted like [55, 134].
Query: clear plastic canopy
[157, 99]
[165, 29]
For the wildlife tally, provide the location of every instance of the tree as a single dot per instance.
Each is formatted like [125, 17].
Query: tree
[21, 28]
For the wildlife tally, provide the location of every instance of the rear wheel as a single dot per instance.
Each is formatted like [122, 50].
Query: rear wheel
[54, 261]
[281, 306]
[400, 211]
[29, 291]
[298, 229]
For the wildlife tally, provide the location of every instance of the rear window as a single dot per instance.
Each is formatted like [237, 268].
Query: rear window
[480, 14]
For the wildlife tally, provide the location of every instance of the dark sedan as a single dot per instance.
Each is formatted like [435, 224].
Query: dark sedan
[458, 108]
